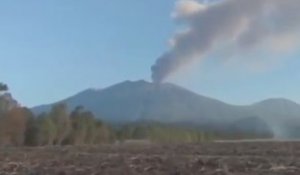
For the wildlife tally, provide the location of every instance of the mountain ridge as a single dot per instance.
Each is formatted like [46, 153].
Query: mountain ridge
[131, 101]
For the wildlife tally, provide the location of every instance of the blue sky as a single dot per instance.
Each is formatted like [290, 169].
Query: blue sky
[50, 50]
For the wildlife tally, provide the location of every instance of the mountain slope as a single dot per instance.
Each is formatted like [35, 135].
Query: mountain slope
[80, 99]
[277, 109]
[140, 100]
[130, 101]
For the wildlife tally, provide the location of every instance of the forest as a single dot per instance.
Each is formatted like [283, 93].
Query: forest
[20, 126]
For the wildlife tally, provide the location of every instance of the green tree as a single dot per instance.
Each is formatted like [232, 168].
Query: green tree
[103, 133]
[60, 117]
[32, 128]
[13, 127]
[86, 129]
[79, 127]
[46, 130]
[3, 87]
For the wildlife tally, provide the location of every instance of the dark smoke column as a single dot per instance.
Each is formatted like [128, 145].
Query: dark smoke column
[162, 68]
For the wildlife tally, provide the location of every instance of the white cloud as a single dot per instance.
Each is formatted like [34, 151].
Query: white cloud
[186, 8]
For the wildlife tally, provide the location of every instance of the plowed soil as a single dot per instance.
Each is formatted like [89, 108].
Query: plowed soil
[248, 158]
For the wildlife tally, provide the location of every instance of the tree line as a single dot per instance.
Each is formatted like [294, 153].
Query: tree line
[60, 126]
[20, 126]
[162, 133]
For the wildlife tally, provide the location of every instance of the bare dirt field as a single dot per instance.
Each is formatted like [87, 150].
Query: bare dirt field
[247, 158]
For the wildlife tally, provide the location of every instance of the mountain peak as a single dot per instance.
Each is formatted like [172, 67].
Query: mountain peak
[137, 82]
[146, 84]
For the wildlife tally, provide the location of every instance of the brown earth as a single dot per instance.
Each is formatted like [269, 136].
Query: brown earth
[248, 158]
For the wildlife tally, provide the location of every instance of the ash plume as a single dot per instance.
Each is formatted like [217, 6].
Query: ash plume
[244, 23]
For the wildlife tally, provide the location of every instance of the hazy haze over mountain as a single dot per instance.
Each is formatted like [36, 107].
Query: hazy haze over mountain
[140, 100]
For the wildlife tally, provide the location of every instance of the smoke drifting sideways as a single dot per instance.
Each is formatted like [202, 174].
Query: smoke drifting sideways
[244, 23]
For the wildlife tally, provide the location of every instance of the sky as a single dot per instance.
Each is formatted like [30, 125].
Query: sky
[50, 50]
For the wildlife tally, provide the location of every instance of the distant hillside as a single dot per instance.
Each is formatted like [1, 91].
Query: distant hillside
[140, 100]
[277, 109]
[80, 99]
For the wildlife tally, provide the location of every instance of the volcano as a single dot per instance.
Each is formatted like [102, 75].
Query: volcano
[132, 101]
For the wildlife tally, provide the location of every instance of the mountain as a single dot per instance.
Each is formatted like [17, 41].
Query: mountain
[277, 109]
[130, 101]
[80, 99]
[140, 100]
